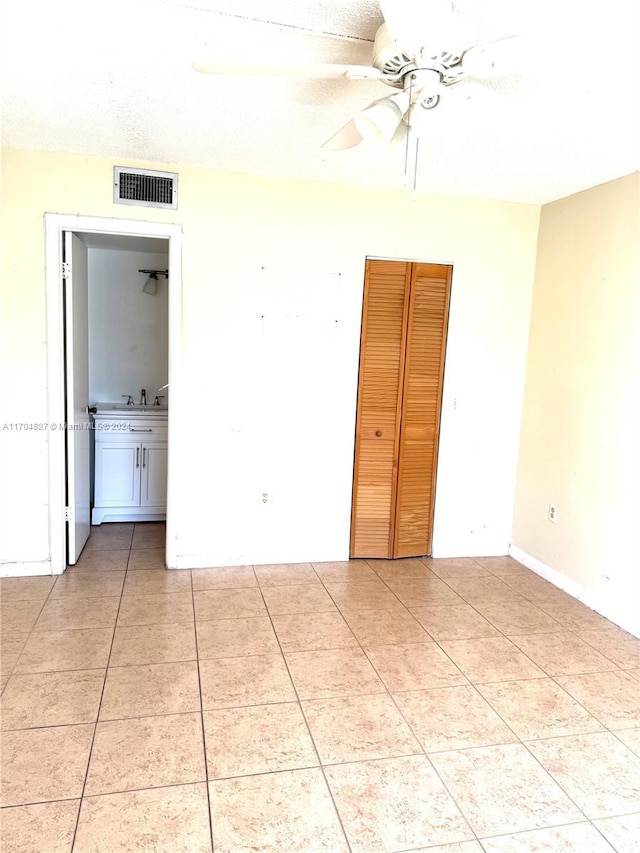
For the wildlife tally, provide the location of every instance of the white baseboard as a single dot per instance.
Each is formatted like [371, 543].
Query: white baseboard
[610, 610]
[26, 570]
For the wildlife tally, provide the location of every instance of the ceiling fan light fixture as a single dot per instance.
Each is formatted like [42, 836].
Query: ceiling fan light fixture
[380, 121]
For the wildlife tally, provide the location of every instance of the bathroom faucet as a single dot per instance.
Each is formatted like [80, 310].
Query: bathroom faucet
[129, 399]
[156, 402]
[143, 397]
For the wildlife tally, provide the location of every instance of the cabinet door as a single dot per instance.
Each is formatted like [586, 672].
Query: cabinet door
[154, 475]
[117, 478]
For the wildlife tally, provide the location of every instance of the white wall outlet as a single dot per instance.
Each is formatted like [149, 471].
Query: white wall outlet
[265, 498]
[553, 513]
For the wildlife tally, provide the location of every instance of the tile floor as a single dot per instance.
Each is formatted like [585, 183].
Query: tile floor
[455, 706]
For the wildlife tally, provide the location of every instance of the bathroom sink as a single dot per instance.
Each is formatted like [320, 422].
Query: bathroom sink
[135, 409]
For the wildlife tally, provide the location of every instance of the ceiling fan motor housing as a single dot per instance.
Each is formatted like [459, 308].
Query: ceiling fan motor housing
[389, 58]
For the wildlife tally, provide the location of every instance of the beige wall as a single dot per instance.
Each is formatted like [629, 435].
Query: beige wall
[272, 290]
[581, 421]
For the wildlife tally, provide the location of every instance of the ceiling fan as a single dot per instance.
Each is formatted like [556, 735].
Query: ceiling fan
[422, 55]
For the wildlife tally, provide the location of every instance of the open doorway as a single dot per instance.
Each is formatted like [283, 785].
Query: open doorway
[113, 300]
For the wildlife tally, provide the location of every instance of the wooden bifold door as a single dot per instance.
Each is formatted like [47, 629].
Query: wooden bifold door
[404, 330]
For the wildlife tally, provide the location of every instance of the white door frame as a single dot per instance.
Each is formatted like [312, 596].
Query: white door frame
[55, 224]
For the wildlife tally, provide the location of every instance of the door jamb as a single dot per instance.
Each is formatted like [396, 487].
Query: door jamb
[55, 224]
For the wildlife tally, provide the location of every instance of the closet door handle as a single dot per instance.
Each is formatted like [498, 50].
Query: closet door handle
[144, 457]
[137, 457]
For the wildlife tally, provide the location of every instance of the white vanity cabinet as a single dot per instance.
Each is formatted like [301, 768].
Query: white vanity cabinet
[130, 480]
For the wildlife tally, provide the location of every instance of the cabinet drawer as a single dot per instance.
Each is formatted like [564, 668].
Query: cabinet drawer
[118, 429]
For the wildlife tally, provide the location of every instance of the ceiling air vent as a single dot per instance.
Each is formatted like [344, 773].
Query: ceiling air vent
[145, 188]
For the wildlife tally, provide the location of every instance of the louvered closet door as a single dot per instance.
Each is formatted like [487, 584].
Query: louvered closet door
[422, 392]
[384, 318]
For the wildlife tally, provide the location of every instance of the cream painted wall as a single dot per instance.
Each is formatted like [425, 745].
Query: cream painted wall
[272, 291]
[581, 422]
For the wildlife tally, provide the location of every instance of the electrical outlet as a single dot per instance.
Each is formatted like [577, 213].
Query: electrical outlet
[553, 513]
[265, 498]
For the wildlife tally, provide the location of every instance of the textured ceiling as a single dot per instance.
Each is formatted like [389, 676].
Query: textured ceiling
[115, 79]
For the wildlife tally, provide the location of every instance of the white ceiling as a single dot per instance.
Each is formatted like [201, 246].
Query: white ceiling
[115, 79]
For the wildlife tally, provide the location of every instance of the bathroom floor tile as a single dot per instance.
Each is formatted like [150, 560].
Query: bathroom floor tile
[88, 585]
[228, 603]
[257, 739]
[562, 653]
[46, 827]
[18, 617]
[148, 689]
[156, 609]
[358, 728]
[44, 764]
[362, 595]
[25, 589]
[59, 614]
[172, 819]
[147, 558]
[335, 672]
[383, 627]
[11, 646]
[600, 774]
[228, 638]
[146, 752]
[414, 666]
[490, 659]
[622, 832]
[151, 581]
[239, 681]
[150, 534]
[575, 838]
[51, 699]
[612, 697]
[285, 574]
[307, 632]
[224, 577]
[538, 708]
[162, 643]
[394, 804]
[452, 718]
[52, 651]
[286, 812]
[347, 571]
[503, 789]
[426, 590]
[458, 622]
[115, 536]
[297, 598]
[101, 561]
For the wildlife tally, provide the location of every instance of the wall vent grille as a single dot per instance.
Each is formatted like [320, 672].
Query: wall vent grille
[145, 188]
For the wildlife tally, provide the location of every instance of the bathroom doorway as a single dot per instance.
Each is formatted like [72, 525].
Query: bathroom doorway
[111, 327]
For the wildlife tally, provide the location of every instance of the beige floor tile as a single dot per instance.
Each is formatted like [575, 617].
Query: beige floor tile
[287, 812]
[382, 627]
[229, 638]
[257, 739]
[41, 828]
[575, 838]
[358, 728]
[336, 672]
[255, 680]
[575, 616]
[162, 820]
[622, 649]
[600, 774]
[461, 847]
[61, 614]
[147, 558]
[414, 666]
[460, 622]
[228, 603]
[110, 537]
[476, 591]
[612, 697]
[89, 585]
[156, 609]
[361, 595]
[389, 570]
[101, 561]
[452, 718]
[51, 699]
[497, 565]
[622, 832]
[11, 646]
[278, 574]
[630, 738]
[512, 618]
[153, 644]
[25, 589]
[347, 571]
[298, 598]
[306, 632]
[635, 673]
[455, 567]
[394, 804]
[19, 617]
[490, 659]
[503, 789]
[224, 577]
[44, 764]
[154, 582]
[538, 708]
[150, 534]
[416, 592]
[146, 752]
[53, 651]
[157, 688]
[533, 587]
[562, 653]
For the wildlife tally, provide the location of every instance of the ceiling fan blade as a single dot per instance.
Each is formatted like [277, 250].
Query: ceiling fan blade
[494, 58]
[347, 137]
[321, 70]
